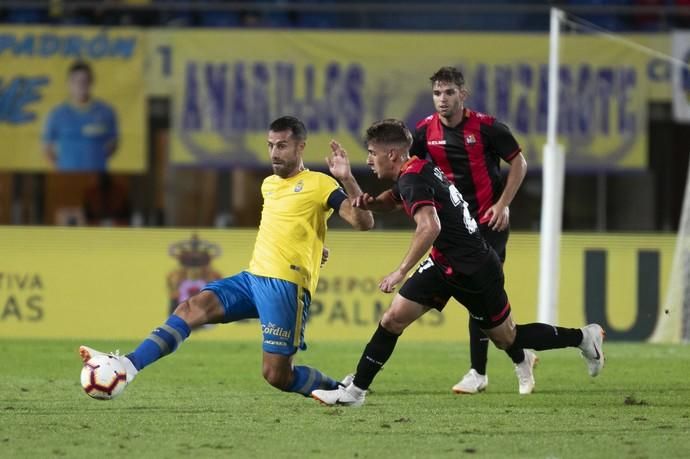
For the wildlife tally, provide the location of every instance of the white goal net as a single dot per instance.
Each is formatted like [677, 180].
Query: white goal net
[674, 324]
[601, 123]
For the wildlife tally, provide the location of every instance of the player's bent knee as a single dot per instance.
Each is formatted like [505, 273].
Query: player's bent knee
[276, 377]
[504, 342]
[200, 309]
[392, 323]
[500, 344]
[183, 310]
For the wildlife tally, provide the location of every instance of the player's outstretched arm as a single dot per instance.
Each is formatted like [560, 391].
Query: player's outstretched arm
[339, 165]
[384, 202]
[428, 228]
[360, 219]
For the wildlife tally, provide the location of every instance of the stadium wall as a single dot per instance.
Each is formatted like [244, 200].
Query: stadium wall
[119, 283]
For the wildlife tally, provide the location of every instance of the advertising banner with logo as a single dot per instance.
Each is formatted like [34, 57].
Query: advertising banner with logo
[228, 86]
[119, 283]
[79, 92]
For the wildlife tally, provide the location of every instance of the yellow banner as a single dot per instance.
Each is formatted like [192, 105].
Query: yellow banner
[119, 283]
[41, 105]
[659, 65]
[228, 86]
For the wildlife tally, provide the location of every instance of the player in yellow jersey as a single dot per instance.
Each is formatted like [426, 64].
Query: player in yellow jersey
[284, 268]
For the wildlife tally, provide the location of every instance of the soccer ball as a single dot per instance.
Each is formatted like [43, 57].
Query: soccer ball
[103, 377]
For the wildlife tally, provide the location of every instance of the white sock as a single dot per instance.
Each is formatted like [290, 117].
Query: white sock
[130, 368]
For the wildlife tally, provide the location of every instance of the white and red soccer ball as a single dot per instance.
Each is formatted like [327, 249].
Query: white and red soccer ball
[103, 377]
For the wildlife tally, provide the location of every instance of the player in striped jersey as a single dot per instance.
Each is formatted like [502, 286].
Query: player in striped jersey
[469, 146]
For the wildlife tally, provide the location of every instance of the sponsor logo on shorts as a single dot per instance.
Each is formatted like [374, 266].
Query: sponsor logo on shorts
[275, 343]
[428, 263]
[273, 330]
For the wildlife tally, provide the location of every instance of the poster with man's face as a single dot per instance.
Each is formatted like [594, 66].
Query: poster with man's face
[73, 99]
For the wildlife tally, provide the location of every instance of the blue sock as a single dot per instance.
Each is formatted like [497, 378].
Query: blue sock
[308, 379]
[161, 342]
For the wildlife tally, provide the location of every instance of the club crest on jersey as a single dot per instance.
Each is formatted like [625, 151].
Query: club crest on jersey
[470, 140]
[299, 186]
[439, 175]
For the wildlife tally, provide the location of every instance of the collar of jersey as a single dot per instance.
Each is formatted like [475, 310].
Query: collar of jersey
[407, 163]
[81, 107]
[294, 176]
[465, 115]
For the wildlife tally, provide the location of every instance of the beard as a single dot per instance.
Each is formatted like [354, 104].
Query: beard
[449, 111]
[284, 169]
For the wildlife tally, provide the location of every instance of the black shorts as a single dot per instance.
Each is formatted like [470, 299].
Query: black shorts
[497, 240]
[481, 292]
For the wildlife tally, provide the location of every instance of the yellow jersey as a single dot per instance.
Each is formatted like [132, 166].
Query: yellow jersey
[293, 227]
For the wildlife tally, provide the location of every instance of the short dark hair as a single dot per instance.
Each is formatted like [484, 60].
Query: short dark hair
[389, 132]
[448, 75]
[81, 66]
[284, 123]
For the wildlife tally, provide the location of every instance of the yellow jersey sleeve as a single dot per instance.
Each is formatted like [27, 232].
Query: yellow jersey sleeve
[293, 227]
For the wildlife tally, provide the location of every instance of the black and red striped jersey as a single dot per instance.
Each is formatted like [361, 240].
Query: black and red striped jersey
[459, 246]
[469, 154]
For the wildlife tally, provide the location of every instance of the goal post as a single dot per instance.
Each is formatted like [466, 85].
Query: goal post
[553, 177]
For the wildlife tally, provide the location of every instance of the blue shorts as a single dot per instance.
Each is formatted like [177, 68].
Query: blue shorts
[281, 306]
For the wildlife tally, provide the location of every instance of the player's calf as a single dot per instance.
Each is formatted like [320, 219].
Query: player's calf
[162, 341]
[503, 335]
[278, 374]
[307, 379]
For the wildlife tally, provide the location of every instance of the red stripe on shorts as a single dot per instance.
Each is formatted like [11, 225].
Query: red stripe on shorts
[500, 315]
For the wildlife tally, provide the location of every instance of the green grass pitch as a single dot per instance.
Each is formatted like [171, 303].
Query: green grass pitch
[209, 400]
